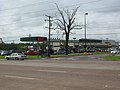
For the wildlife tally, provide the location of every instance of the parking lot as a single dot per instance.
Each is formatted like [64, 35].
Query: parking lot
[72, 73]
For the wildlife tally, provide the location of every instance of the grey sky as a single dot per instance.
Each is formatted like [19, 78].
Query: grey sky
[19, 18]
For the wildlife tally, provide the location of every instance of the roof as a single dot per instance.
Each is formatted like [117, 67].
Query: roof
[91, 40]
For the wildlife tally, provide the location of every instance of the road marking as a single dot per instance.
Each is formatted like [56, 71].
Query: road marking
[19, 77]
[52, 71]
[106, 86]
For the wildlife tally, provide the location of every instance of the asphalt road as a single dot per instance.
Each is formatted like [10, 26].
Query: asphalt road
[74, 73]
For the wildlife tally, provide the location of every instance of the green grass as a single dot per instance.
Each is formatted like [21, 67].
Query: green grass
[1, 57]
[113, 58]
[33, 57]
[53, 56]
[63, 55]
[96, 53]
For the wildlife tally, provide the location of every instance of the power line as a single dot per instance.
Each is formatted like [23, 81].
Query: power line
[59, 34]
[11, 38]
[41, 34]
[26, 13]
[23, 20]
[44, 10]
[93, 34]
[56, 10]
[52, 8]
[105, 34]
[104, 7]
[29, 5]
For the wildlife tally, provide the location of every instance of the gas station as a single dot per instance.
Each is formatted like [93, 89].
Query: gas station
[37, 43]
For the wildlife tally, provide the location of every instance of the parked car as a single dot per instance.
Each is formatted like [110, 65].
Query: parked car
[16, 56]
[115, 52]
[61, 51]
[32, 53]
[55, 52]
[4, 53]
[1, 51]
[99, 50]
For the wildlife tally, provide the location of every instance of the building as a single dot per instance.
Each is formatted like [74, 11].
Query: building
[78, 45]
[74, 45]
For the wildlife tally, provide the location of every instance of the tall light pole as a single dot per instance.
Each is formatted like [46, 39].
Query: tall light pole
[85, 28]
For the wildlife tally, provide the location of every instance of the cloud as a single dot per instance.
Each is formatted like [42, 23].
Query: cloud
[23, 17]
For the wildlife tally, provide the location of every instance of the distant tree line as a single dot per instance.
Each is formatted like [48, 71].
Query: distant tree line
[13, 46]
[21, 46]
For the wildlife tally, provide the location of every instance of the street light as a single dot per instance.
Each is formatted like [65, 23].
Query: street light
[85, 28]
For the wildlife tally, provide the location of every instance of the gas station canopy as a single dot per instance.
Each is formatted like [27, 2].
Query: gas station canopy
[33, 39]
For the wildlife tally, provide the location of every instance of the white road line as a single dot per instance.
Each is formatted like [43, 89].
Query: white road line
[19, 77]
[52, 71]
[29, 78]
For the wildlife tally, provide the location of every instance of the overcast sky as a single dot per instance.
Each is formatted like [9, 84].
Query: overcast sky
[21, 18]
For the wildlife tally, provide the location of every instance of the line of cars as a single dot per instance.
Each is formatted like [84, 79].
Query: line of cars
[18, 55]
[21, 56]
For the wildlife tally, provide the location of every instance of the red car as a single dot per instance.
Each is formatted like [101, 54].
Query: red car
[99, 50]
[32, 53]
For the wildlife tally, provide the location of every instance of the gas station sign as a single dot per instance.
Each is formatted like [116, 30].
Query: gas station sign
[33, 39]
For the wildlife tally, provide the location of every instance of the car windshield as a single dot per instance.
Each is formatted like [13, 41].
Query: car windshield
[14, 54]
[20, 54]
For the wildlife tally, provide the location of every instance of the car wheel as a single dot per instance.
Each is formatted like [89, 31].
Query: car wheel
[7, 58]
[16, 58]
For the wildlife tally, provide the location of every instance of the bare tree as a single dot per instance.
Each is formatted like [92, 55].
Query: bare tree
[66, 23]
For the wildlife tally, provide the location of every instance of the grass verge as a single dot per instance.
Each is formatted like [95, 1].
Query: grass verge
[63, 55]
[113, 58]
[53, 56]
[1, 57]
[96, 53]
[33, 57]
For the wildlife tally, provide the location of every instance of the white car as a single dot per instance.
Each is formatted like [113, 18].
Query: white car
[114, 52]
[16, 56]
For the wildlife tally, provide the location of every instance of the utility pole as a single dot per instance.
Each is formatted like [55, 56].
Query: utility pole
[49, 27]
